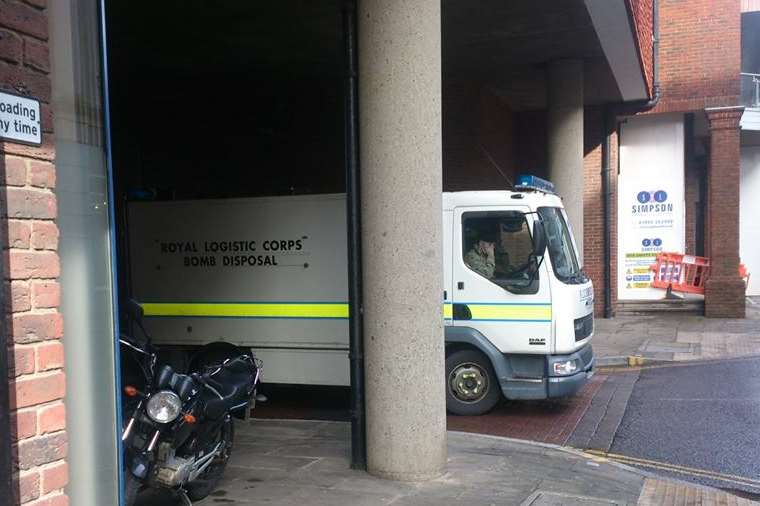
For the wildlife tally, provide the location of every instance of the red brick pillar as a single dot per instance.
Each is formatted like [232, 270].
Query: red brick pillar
[29, 238]
[724, 291]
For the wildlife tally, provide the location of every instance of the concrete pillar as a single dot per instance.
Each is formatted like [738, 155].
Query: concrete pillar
[565, 138]
[400, 155]
[724, 289]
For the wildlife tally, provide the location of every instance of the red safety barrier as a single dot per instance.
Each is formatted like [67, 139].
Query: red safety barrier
[685, 273]
[681, 273]
[744, 274]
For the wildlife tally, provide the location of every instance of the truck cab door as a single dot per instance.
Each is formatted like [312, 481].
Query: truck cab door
[491, 270]
[448, 219]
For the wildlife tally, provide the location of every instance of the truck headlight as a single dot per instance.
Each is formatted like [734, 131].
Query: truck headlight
[565, 368]
[164, 406]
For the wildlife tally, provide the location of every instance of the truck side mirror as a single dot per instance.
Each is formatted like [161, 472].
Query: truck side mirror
[539, 238]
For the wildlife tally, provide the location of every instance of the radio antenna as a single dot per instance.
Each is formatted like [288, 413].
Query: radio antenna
[497, 167]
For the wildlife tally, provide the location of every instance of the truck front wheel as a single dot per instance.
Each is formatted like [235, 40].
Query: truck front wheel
[471, 385]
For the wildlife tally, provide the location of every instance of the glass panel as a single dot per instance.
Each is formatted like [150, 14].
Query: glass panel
[750, 68]
[85, 255]
[498, 246]
[560, 244]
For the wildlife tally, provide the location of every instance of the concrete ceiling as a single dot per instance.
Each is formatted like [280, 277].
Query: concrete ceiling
[502, 44]
[506, 45]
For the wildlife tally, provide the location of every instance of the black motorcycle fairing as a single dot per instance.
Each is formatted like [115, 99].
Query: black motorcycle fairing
[164, 377]
[181, 384]
[229, 386]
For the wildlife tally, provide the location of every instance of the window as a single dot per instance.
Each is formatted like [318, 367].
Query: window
[560, 245]
[750, 65]
[498, 246]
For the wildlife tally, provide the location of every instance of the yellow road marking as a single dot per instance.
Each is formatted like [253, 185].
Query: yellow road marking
[664, 466]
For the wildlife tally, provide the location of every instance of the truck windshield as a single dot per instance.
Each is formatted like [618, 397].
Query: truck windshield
[560, 245]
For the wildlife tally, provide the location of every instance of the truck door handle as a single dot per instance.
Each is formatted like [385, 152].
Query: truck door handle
[460, 285]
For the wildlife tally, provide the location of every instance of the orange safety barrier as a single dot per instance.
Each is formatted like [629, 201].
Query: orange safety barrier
[744, 274]
[685, 273]
[681, 273]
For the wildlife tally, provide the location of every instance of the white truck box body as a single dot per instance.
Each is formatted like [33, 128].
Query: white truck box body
[303, 349]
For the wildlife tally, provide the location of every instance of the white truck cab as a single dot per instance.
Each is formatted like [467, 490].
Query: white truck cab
[518, 309]
[269, 274]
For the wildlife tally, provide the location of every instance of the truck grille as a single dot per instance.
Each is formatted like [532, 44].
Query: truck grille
[584, 327]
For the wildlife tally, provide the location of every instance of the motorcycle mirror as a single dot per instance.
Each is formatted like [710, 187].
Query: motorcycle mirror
[134, 309]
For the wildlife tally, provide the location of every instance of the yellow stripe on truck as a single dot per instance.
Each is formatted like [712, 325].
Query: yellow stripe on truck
[486, 312]
[247, 310]
[511, 312]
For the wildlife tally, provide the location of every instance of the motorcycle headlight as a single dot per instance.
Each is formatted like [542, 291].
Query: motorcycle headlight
[164, 406]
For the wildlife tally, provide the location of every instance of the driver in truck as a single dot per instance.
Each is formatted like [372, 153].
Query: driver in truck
[489, 255]
[481, 257]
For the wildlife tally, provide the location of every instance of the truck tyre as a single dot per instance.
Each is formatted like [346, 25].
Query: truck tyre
[471, 385]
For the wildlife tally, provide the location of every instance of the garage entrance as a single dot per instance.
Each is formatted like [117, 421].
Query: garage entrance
[228, 128]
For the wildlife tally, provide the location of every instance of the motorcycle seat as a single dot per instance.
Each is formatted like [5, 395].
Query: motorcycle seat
[233, 382]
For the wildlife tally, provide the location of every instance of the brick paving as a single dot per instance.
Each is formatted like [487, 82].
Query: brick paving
[597, 429]
[545, 421]
[658, 492]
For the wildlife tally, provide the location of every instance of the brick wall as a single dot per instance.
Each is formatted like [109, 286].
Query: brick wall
[30, 240]
[700, 54]
[724, 290]
[593, 203]
[641, 14]
[477, 137]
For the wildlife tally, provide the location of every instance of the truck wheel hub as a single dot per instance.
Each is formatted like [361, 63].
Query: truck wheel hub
[468, 382]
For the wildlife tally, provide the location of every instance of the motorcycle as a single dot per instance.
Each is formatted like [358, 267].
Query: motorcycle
[178, 429]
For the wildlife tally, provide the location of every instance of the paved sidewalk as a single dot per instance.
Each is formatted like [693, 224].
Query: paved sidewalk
[302, 463]
[676, 337]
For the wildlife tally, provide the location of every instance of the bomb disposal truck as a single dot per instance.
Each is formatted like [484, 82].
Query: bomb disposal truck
[270, 274]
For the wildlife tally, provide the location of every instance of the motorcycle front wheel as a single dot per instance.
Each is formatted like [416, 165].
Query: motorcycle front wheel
[209, 479]
[131, 488]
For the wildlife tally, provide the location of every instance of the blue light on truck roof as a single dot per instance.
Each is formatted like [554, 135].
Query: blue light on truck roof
[527, 182]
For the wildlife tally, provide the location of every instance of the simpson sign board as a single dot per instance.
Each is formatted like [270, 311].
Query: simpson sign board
[651, 205]
[20, 119]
